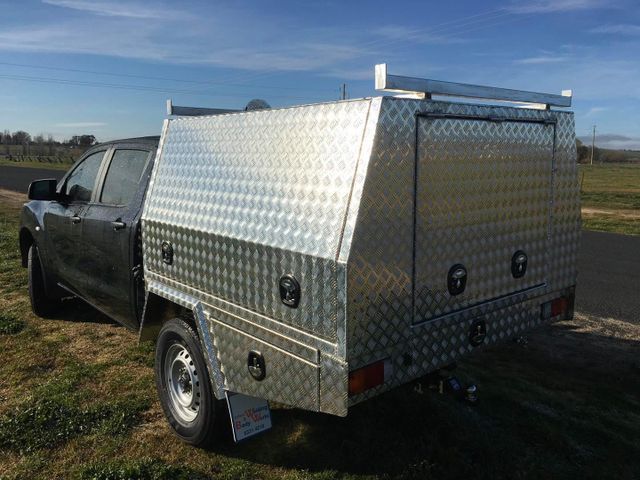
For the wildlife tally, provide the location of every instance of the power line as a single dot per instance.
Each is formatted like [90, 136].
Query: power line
[63, 81]
[443, 27]
[149, 77]
[480, 27]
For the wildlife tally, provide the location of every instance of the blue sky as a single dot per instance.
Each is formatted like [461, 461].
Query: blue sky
[107, 66]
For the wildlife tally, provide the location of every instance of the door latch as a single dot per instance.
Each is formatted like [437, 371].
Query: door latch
[289, 290]
[167, 253]
[256, 365]
[519, 264]
[457, 279]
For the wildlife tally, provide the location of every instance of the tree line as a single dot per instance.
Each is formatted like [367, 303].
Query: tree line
[605, 155]
[24, 138]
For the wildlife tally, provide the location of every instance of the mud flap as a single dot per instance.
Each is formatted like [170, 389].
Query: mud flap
[249, 415]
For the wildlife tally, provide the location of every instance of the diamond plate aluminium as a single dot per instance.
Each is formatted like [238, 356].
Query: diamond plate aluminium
[345, 196]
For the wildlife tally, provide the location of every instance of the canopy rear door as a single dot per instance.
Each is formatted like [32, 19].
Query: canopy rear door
[483, 189]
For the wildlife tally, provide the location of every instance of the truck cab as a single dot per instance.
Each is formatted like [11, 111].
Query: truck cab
[81, 236]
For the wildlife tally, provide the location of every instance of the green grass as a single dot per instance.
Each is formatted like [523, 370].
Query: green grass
[77, 400]
[10, 325]
[610, 195]
[147, 468]
[611, 223]
[34, 163]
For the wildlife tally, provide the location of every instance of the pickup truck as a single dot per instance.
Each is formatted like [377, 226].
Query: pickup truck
[317, 255]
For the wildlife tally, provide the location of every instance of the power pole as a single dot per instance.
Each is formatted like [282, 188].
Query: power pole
[343, 90]
[593, 143]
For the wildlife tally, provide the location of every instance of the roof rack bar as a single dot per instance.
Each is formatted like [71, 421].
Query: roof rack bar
[194, 111]
[398, 83]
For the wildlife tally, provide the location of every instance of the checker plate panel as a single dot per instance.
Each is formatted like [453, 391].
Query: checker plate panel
[483, 190]
[326, 192]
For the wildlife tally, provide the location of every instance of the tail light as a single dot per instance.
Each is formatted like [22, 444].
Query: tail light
[368, 377]
[561, 306]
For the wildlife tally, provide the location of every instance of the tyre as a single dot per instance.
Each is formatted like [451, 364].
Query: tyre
[41, 304]
[183, 385]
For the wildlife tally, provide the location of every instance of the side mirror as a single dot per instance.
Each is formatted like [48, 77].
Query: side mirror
[43, 190]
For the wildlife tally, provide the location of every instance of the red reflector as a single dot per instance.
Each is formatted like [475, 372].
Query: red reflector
[559, 306]
[366, 377]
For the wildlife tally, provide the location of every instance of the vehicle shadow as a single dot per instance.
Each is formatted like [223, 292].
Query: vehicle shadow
[75, 310]
[560, 404]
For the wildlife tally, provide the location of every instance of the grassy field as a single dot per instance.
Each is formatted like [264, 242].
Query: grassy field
[77, 400]
[35, 163]
[611, 197]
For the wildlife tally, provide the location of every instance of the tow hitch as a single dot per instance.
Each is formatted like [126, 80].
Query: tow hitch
[443, 381]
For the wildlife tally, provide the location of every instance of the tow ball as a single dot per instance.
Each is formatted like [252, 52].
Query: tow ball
[442, 381]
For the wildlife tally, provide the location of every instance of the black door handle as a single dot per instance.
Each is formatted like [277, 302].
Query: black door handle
[75, 219]
[118, 225]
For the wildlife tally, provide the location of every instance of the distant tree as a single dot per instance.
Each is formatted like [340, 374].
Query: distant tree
[39, 139]
[87, 140]
[50, 142]
[6, 139]
[583, 152]
[82, 140]
[20, 137]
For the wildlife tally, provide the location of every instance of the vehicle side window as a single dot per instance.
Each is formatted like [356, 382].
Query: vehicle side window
[123, 176]
[80, 183]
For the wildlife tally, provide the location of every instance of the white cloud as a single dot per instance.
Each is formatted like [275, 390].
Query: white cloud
[541, 60]
[550, 6]
[116, 9]
[622, 29]
[401, 33]
[80, 124]
[232, 38]
[593, 111]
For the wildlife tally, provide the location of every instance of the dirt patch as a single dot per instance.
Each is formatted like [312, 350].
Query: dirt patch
[605, 211]
[11, 198]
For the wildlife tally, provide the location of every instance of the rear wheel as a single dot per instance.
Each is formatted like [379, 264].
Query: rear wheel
[183, 385]
[41, 304]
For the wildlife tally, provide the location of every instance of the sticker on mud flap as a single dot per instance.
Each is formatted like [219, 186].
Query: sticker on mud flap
[249, 415]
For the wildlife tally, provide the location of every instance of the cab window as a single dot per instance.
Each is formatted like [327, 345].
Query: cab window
[123, 176]
[80, 183]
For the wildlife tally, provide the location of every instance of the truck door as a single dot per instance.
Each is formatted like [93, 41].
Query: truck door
[109, 227]
[483, 192]
[63, 221]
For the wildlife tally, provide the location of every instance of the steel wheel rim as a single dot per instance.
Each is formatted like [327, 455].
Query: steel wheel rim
[183, 384]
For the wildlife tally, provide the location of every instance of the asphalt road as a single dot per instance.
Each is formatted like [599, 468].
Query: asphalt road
[18, 179]
[609, 276]
[608, 267]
